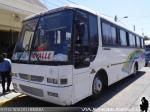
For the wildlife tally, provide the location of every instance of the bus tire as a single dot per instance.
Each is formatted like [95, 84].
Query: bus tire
[98, 86]
[135, 69]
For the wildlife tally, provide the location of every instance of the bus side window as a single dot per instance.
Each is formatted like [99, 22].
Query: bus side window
[131, 40]
[109, 34]
[106, 34]
[138, 41]
[142, 43]
[123, 38]
[93, 29]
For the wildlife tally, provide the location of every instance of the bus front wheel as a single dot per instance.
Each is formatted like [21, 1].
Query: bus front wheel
[97, 86]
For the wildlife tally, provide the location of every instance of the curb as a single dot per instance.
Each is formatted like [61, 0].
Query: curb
[6, 102]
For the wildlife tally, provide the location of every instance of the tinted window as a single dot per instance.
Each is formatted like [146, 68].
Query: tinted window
[123, 39]
[114, 36]
[53, 37]
[23, 44]
[93, 35]
[132, 40]
[109, 34]
[106, 32]
[138, 41]
[142, 43]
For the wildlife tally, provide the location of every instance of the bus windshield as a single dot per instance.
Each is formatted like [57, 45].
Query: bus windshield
[47, 38]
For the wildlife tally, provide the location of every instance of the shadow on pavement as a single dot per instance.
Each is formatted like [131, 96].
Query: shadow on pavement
[26, 101]
[110, 92]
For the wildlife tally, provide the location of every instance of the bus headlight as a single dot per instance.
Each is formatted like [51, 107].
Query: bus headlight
[50, 80]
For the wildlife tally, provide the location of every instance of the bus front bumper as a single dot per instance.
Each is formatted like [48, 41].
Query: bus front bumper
[54, 94]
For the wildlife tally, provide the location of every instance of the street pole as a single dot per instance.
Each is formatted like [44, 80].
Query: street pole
[133, 27]
[116, 18]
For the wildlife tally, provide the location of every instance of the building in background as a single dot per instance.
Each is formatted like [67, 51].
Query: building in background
[12, 12]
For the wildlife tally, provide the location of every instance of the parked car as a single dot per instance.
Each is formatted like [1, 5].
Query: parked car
[147, 57]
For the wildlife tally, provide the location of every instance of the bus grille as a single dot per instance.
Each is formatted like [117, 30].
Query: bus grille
[32, 91]
[31, 77]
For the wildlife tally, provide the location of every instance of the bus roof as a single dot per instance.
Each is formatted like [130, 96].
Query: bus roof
[69, 6]
[73, 6]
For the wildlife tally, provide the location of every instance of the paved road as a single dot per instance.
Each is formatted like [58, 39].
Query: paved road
[126, 93]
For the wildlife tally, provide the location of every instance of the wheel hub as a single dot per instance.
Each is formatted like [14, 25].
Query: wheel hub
[97, 85]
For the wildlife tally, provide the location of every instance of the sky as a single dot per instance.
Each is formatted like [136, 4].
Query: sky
[138, 11]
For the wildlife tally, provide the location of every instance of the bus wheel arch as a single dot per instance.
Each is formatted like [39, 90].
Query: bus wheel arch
[100, 79]
[104, 76]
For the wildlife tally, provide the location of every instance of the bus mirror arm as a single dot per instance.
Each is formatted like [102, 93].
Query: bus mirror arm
[87, 60]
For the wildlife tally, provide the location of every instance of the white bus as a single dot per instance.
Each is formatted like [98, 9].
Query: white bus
[69, 53]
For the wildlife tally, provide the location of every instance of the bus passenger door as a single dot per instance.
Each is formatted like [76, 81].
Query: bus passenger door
[81, 57]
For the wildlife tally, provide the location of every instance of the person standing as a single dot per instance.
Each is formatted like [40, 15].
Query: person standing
[5, 70]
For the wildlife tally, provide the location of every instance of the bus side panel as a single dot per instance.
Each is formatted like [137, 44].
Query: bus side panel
[118, 62]
[81, 85]
[111, 60]
[142, 60]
